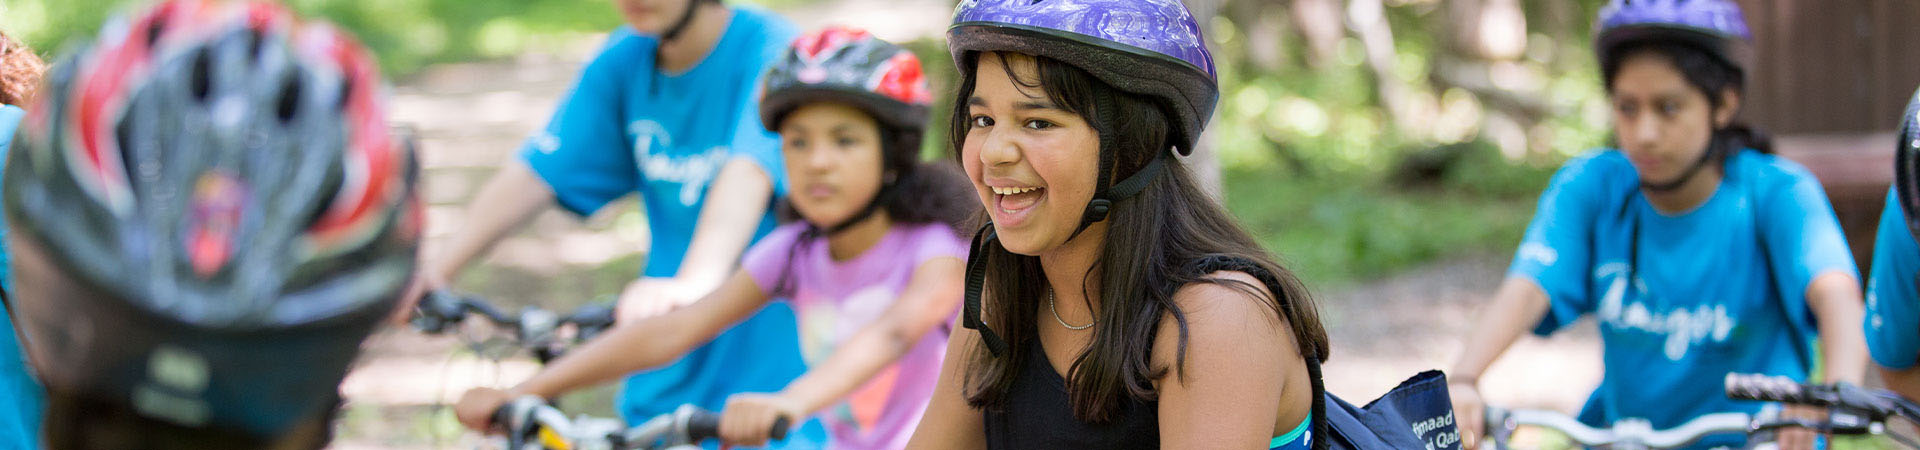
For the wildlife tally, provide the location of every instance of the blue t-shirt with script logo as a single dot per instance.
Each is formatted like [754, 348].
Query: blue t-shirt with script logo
[20, 396]
[629, 127]
[1893, 310]
[1718, 289]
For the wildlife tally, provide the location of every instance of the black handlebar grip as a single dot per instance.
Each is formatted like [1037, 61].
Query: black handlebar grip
[436, 310]
[503, 416]
[591, 320]
[703, 425]
[779, 431]
[1766, 388]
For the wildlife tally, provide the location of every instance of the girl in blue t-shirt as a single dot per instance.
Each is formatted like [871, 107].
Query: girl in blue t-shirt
[20, 396]
[666, 112]
[1698, 251]
[1893, 304]
[872, 269]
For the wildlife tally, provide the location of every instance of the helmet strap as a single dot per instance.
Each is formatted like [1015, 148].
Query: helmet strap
[686, 19]
[1103, 195]
[879, 198]
[1713, 150]
[983, 240]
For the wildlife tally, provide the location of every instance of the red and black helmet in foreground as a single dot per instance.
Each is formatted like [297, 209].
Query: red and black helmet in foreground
[208, 213]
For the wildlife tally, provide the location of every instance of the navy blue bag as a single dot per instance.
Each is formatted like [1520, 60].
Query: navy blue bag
[1417, 414]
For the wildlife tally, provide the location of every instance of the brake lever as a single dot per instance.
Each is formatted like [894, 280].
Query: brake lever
[591, 320]
[436, 311]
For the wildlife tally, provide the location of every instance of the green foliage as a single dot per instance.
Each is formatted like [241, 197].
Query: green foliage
[405, 34]
[1334, 229]
[1314, 159]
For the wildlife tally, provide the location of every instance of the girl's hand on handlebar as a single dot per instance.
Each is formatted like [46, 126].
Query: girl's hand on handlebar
[1796, 438]
[1469, 412]
[418, 287]
[648, 297]
[476, 407]
[748, 417]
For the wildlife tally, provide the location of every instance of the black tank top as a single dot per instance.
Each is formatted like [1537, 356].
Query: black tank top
[1038, 415]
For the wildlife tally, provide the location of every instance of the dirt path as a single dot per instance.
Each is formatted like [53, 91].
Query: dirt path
[1389, 329]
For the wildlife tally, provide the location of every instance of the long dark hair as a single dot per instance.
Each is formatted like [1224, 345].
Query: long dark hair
[1711, 76]
[1154, 244]
[912, 191]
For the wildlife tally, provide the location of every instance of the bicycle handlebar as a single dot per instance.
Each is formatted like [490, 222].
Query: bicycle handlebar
[534, 327]
[530, 418]
[1846, 400]
[1631, 431]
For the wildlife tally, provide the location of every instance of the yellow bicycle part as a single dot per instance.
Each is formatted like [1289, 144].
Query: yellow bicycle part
[550, 439]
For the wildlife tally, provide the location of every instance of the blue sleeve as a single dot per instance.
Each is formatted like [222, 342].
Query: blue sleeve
[1557, 252]
[10, 117]
[1803, 240]
[1893, 312]
[751, 139]
[582, 154]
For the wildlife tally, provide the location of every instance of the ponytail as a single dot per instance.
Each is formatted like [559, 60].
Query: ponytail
[1741, 135]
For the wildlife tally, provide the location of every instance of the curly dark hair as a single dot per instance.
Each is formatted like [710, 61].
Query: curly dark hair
[919, 192]
[20, 71]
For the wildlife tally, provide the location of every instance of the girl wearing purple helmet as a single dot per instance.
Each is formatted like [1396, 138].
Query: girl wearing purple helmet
[1699, 252]
[1110, 304]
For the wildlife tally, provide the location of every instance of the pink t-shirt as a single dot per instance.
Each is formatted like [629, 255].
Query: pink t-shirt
[833, 300]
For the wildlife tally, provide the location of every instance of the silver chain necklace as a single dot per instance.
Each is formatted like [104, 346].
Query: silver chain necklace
[1063, 322]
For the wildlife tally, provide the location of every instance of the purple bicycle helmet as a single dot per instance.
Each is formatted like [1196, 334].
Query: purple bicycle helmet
[1716, 26]
[1147, 47]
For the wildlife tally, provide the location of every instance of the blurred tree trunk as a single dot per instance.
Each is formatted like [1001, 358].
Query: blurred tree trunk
[1319, 23]
[1264, 31]
[1482, 53]
[1205, 160]
[1368, 21]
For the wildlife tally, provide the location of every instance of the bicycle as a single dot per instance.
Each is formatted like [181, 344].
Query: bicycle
[1855, 410]
[536, 329]
[532, 424]
[1627, 434]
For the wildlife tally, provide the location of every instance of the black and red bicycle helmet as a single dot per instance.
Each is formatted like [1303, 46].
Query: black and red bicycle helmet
[209, 213]
[850, 66]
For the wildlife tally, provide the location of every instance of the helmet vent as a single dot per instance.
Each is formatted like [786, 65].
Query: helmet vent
[346, 92]
[289, 98]
[154, 29]
[254, 44]
[202, 76]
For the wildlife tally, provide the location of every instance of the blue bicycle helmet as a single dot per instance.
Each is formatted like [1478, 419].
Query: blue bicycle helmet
[1716, 26]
